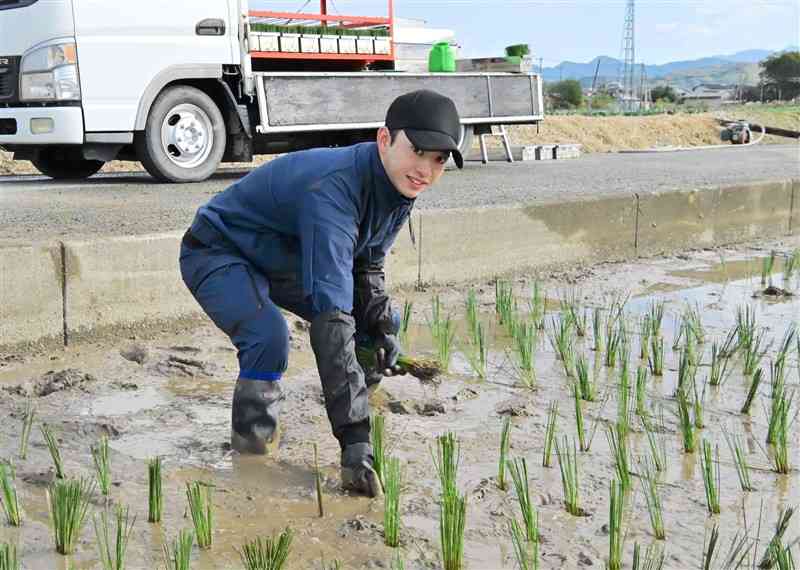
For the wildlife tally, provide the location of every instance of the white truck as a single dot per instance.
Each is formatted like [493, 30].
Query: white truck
[183, 86]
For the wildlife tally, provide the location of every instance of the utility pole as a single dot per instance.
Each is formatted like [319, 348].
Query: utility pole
[594, 82]
[629, 51]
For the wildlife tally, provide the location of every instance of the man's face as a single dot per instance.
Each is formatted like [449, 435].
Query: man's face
[411, 170]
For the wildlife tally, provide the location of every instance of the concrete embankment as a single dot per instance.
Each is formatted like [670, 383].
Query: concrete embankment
[59, 290]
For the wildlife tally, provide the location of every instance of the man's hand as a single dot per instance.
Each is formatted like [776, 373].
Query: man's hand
[387, 350]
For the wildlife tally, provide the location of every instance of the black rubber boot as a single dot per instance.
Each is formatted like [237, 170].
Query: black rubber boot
[358, 474]
[254, 416]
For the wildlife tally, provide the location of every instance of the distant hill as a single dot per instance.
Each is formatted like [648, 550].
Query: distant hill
[728, 69]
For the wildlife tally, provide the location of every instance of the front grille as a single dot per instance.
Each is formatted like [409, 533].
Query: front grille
[9, 78]
[8, 126]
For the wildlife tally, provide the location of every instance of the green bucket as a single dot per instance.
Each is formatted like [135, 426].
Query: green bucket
[442, 58]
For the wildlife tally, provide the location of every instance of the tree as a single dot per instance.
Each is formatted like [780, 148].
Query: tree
[781, 72]
[566, 94]
[663, 92]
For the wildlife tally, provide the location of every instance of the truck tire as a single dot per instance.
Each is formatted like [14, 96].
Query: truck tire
[467, 136]
[183, 138]
[60, 165]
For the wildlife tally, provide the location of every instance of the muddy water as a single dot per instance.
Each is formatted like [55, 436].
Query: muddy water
[173, 400]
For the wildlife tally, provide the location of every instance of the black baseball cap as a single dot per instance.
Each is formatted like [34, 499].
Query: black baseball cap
[430, 121]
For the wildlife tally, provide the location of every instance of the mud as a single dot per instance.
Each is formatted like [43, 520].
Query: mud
[169, 395]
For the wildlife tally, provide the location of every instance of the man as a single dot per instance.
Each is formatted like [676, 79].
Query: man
[309, 232]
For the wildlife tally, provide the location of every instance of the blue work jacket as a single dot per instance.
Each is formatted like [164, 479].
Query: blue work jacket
[319, 213]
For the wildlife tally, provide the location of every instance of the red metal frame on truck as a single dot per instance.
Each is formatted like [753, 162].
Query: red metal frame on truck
[343, 22]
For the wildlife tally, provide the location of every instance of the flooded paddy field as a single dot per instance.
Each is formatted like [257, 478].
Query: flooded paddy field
[169, 395]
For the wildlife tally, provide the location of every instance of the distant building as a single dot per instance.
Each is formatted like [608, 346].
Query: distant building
[708, 95]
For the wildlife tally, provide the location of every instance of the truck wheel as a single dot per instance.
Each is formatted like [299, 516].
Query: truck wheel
[467, 136]
[60, 165]
[183, 138]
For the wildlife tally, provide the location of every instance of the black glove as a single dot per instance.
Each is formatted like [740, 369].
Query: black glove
[387, 350]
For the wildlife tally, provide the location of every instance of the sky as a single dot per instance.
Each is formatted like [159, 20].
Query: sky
[579, 30]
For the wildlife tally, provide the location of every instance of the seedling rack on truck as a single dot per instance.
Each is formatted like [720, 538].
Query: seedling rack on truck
[183, 86]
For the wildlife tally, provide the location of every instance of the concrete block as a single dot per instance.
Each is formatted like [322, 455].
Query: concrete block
[566, 151]
[118, 281]
[544, 152]
[30, 293]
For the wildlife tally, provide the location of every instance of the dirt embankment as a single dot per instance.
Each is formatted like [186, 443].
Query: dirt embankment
[596, 134]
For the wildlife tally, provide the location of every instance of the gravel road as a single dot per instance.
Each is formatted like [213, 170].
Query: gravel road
[34, 208]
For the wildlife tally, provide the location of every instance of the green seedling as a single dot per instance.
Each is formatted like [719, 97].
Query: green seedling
[680, 330]
[505, 440]
[525, 338]
[786, 344]
[397, 562]
[525, 551]
[752, 391]
[624, 402]
[267, 553]
[655, 312]
[55, 451]
[68, 503]
[563, 342]
[408, 307]
[777, 379]
[570, 479]
[745, 326]
[710, 549]
[318, 483]
[579, 419]
[686, 424]
[616, 536]
[337, 564]
[711, 478]
[791, 265]
[770, 558]
[767, 267]
[27, 425]
[550, 434]
[505, 305]
[570, 307]
[658, 449]
[392, 487]
[645, 331]
[754, 353]
[597, 330]
[477, 352]
[519, 474]
[686, 371]
[452, 521]
[694, 324]
[780, 458]
[586, 384]
[618, 443]
[426, 369]
[112, 551]
[740, 461]
[656, 361]
[155, 501]
[443, 339]
[10, 498]
[719, 366]
[698, 405]
[654, 558]
[779, 414]
[446, 460]
[102, 465]
[377, 436]
[641, 391]
[178, 554]
[199, 495]
[731, 343]
[616, 338]
[472, 313]
[654, 507]
[536, 305]
[9, 560]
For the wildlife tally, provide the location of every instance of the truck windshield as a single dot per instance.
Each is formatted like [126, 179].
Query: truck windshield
[11, 4]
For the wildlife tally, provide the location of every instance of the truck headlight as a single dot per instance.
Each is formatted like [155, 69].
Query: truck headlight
[50, 74]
